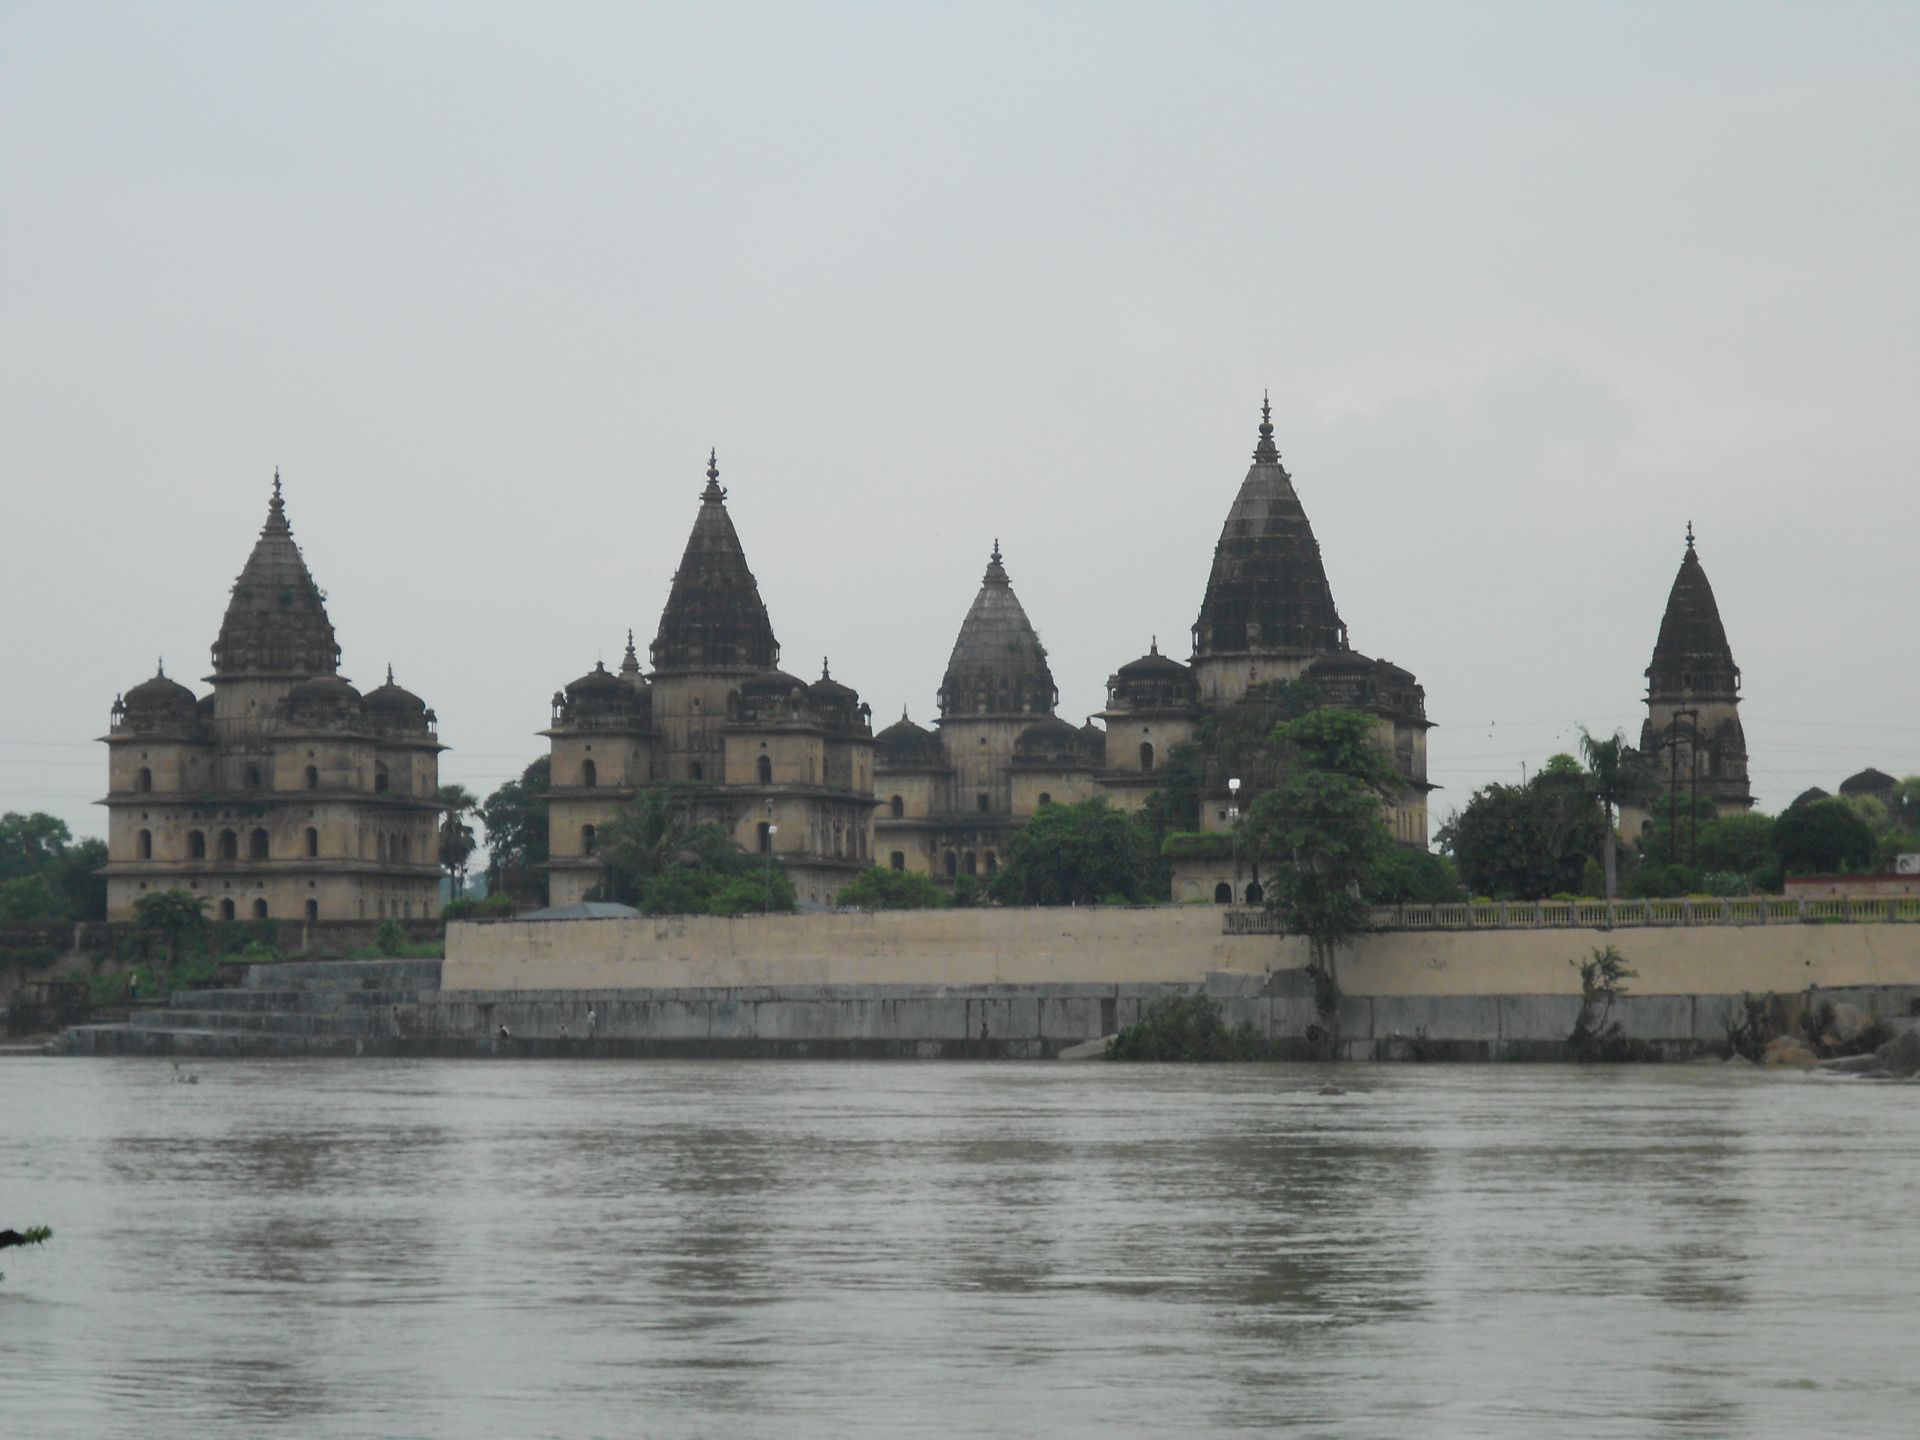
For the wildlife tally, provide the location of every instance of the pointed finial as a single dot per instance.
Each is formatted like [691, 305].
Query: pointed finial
[389, 672]
[825, 674]
[903, 710]
[1266, 452]
[160, 666]
[1689, 535]
[713, 490]
[1154, 648]
[996, 572]
[276, 482]
[996, 549]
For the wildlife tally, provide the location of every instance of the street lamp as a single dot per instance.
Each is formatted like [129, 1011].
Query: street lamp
[766, 906]
[1233, 818]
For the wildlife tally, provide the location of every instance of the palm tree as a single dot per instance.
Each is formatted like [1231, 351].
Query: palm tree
[1620, 776]
[456, 836]
[642, 840]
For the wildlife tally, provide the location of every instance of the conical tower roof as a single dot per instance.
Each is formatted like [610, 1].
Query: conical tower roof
[1268, 590]
[276, 623]
[998, 665]
[714, 618]
[1691, 656]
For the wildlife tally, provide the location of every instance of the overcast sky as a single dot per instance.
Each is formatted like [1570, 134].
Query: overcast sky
[1531, 286]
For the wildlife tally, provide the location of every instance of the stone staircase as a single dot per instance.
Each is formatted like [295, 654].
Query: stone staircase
[294, 1008]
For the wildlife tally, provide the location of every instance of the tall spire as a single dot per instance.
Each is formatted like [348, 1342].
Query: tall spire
[276, 510]
[998, 665]
[1266, 452]
[1689, 534]
[996, 572]
[276, 623]
[714, 618]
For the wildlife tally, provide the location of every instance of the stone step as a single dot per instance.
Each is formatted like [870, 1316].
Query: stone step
[266, 1022]
[345, 975]
[145, 1040]
[302, 1001]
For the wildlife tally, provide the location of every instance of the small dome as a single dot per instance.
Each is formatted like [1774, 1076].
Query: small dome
[395, 699]
[1049, 741]
[1155, 666]
[1809, 795]
[829, 692]
[1093, 744]
[597, 681]
[159, 693]
[772, 685]
[905, 743]
[323, 690]
[1869, 781]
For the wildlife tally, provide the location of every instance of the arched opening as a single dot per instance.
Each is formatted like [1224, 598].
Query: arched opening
[970, 863]
[313, 777]
[257, 845]
[766, 838]
[144, 844]
[251, 780]
[382, 782]
[1255, 895]
[697, 770]
[380, 847]
[589, 774]
[313, 843]
[1045, 798]
[226, 909]
[1146, 756]
[259, 909]
[313, 910]
[229, 845]
[953, 864]
[993, 862]
[143, 780]
[1223, 894]
[196, 844]
[764, 768]
[589, 839]
[981, 800]
[898, 807]
[897, 860]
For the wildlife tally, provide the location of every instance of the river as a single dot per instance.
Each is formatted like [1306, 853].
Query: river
[793, 1249]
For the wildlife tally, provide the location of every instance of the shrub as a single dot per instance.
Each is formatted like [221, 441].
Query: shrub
[1187, 1028]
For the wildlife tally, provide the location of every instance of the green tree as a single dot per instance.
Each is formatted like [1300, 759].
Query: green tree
[1173, 807]
[1076, 855]
[658, 861]
[1904, 806]
[1323, 825]
[1822, 837]
[883, 889]
[82, 887]
[173, 916]
[30, 900]
[515, 816]
[1526, 842]
[1620, 777]
[31, 844]
[457, 843]
[1401, 875]
[647, 835]
[1741, 844]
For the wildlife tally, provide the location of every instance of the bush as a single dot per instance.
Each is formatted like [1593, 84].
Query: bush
[882, 889]
[1405, 876]
[1187, 1029]
[491, 907]
[390, 939]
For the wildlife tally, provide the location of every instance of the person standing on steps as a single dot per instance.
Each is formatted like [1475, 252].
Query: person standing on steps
[591, 1017]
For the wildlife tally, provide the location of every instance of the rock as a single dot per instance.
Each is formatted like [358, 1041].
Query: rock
[1086, 1050]
[1736, 1059]
[1851, 1065]
[1787, 1052]
[1849, 1021]
[1331, 1090]
[1901, 1055]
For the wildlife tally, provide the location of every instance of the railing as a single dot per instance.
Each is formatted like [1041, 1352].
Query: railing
[1620, 915]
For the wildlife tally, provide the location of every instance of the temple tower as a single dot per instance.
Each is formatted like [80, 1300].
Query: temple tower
[1693, 730]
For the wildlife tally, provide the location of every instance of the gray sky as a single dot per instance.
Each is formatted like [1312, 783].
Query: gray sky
[1531, 286]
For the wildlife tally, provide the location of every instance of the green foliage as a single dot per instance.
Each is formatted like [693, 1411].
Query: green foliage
[1525, 842]
[1173, 807]
[457, 841]
[1187, 1029]
[1197, 845]
[1679, 819]
[968, 892]
[1076, 855]
[1742, 844]
[1603, 980]
[490, 907]
[1904, 806]
[883, 889]
[1401, 875]
[515, 817]
[1823, 837]
[661, 863]
[44, 875]
[1620, 776]
[174, 917]
[390, 939]
[1653, 881]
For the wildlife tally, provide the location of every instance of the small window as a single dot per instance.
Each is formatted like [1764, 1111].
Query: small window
[953, 864]
[1254, 893]
[313, 777]
[993, 862]
[257, 845]
[381, 781]
[970, 863]
[259, 909]
[145, 843]
[697, 770]
[1045, 798]
[766, 838]
[313, 843]
[589, 839]
[252, 779]
[899, 807]
[1223, 894]
[766, 770]
[196, 844]
[229, 847]
[144, 780]
[313, 910]
[589, 774]
[1146, 756]
[982, 799]
[226, 909]
[897, 860]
